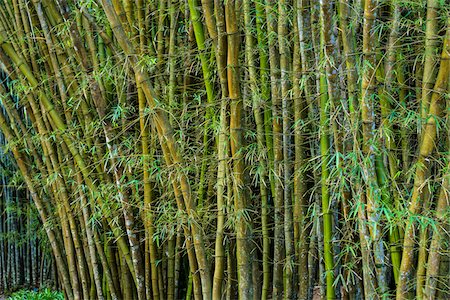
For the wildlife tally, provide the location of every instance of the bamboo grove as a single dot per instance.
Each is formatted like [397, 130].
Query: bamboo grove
[25, 258]
[234, 149]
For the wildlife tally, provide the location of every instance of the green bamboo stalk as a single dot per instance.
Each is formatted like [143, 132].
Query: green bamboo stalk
[327, 96]
[327, 215]
[258, 102]
[208, 81]
[264, 74]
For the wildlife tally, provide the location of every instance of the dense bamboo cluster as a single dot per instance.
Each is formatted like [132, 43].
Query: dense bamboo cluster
[25, 259]
[235, 149]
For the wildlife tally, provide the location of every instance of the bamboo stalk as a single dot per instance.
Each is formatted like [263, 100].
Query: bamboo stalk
[257, 102]
[429, 66]
[426, 148]
[368, 89]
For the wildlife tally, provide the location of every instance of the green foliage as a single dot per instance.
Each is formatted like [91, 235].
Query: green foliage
[45, 294]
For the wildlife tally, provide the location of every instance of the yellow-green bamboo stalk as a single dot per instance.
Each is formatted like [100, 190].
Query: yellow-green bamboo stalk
[243, 224]
[148, 214]
[274, 63]
[222, 145]
[327, 96]
[427, 146]
[430, 53]
[438, 237]
[385, 103]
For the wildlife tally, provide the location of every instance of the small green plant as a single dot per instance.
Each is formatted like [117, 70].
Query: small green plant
[45, 294]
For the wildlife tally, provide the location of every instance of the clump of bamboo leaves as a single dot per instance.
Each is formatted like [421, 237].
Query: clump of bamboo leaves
[235, 149]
